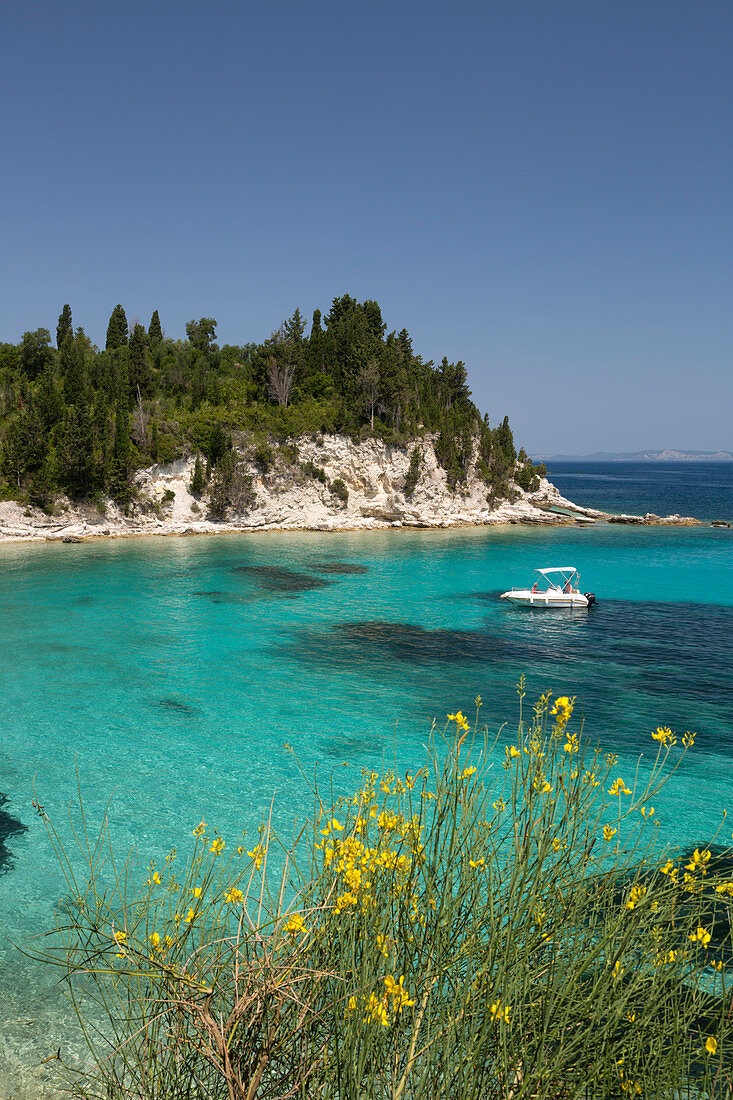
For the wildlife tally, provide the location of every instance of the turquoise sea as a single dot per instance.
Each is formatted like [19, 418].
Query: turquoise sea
[170, 673]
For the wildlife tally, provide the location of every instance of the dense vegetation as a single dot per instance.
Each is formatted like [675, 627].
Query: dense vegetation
[80, 420]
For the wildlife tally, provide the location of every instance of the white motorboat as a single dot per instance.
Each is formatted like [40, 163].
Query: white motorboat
[556, 587]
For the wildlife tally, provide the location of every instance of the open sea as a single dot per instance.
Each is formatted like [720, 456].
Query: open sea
[169, 673]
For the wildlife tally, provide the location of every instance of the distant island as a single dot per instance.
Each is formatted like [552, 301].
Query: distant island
[640, 456]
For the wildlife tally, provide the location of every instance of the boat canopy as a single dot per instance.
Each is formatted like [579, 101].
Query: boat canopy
[567, 573]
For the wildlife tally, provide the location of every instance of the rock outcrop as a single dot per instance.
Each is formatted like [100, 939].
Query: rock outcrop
[291, 495]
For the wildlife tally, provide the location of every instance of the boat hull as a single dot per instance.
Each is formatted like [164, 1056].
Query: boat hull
[545, 600]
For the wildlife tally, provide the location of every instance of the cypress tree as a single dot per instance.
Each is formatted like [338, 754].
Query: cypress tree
[117, 330]
[155, 332]
[138, 364]
[121, 458]
[64, 328]
[198, 481]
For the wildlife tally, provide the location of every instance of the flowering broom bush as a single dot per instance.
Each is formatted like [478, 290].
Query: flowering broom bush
[464, 930]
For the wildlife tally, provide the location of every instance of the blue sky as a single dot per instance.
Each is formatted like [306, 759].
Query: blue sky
[539, 189]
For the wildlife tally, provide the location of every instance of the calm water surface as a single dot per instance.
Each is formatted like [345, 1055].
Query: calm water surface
[700, 489]
[169, 673]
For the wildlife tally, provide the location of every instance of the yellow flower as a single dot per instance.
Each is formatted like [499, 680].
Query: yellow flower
[189, 916]
[397, 993]
[665, 737]
[199, 830]
[481, 862]
[217, 845]
[608, 832]
[562, 703]
[155, 939]
[156, 878]
[500, 1012]
[635, 896]
[700, 936]
[467, 772]
[689, 740]
[618, 969]
[460, 720]
[234, 896]
[699, 861]
[670, 869]
[631, 1016]
[558, 845]
[711, 1044]
[541, 785]
[619, 787]
[647, 813]
[499, 805]
[717, 964]
[295, 924]
[257, 855]
[196, 891]
[376, 1010]
[511, 752]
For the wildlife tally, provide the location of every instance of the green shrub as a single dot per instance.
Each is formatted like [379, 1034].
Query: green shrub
[289, 453]
[168, 448]
[413, 472]
[316, 472]
[231, 488]
[339, 490]
[263, 457]
[461, 930]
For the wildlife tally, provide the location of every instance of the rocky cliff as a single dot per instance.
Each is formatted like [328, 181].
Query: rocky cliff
[299, 493]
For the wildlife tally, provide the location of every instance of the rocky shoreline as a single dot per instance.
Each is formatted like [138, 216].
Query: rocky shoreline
[303, 495]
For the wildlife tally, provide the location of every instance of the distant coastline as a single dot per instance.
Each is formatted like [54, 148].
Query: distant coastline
[639, 456]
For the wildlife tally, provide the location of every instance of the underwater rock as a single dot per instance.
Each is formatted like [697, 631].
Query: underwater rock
[281, 581]
[9, 826]
[337, 567]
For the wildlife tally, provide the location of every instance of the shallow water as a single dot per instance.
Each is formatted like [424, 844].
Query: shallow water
[169, 673]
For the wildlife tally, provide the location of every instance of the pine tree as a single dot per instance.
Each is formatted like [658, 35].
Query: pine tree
[155, 332]
[117, 331]
[64, 328]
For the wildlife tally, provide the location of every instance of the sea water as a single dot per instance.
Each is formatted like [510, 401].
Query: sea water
[165, 676]
[692, 488]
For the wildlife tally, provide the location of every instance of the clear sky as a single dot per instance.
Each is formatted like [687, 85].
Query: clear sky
[542, 189]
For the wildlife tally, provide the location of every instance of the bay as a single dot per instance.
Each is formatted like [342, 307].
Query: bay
[170, 673]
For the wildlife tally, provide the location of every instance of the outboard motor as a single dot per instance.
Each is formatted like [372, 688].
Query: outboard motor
[590, 597]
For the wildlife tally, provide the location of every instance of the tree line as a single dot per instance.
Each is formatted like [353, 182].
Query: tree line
[78, 419]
